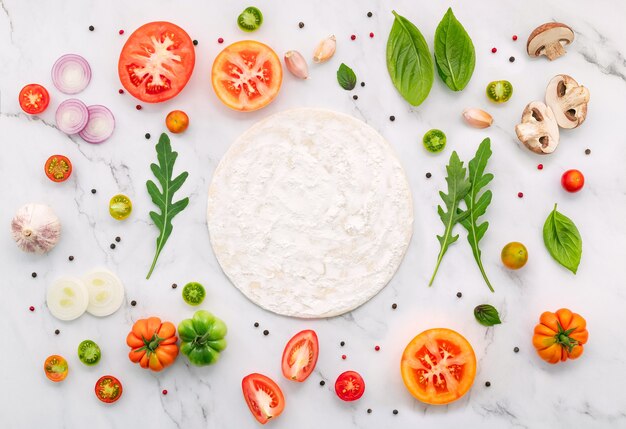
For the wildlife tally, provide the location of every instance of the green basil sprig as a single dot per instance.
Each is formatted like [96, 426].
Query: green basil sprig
[454, 53]
[346, 77]
[487, 315]
[563, 240]
[409, 62]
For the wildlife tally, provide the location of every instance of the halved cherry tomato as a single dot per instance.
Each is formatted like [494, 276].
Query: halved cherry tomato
[300, 356]
[572, 180]
[34, 99]
[247, 75]
[156, 62]
[177, 121]
[58, 168]
[438, 366]
[55, 368]
[349, 386]
[108, 389]
[263, 396]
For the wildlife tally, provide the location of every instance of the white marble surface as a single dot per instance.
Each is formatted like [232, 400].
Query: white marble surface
[524, 392]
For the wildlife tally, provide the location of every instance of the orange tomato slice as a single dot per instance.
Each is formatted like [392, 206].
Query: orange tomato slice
[438, 366]
[247, 75]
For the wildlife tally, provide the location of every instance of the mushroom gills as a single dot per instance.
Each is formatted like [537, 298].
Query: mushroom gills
[568, 100]
[538, 130]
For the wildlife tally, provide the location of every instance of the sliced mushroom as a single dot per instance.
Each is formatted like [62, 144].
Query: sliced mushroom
[568, 100]
[549, 39]
[538, 131]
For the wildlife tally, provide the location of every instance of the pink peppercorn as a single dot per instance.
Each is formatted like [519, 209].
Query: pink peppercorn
[353, 37]
[540, 167]
[520, 194]
[372, 35]
[121, 32]
[164, 391]
[31, 308]
[343, 357]
[138, 107]
[514, 37]
[494, 50]
[377, 348]
[220, 40]
[121, 91]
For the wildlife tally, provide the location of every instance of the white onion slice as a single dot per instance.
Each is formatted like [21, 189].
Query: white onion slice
[106, 292]
[67, 298]
[71, 74]
[72, 116]
[100, 126]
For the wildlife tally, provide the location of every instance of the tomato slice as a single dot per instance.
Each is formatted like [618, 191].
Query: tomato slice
[55, 368]
[438, 366]
[349, 386]
[300, 356]
[156, 62]
[247, 75]
[108, 389]
[34, 99]
[58, 168]
[263, 396]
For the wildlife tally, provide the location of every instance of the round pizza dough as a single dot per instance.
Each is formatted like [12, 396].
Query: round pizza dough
[310, 213]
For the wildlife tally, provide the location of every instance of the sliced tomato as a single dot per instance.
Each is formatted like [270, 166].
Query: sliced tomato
[349, 386]
[56, 368]
[300, 356]
[263, 396]
[156, 62]
[438, 366]
[247, 75]
[58, 168]
[108, 389]
[34, 99]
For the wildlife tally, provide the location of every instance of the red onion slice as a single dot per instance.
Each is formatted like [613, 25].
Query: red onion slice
[71, 74]
[72, 116]
[100, 126]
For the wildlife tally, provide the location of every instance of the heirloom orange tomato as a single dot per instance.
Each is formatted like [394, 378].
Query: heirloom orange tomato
[152, 343]
[560, 336]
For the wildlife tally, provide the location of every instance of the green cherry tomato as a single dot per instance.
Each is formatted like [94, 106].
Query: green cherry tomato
[499, 91]
[89, 353]
[434, 141]
[514, 255]
[194, 293]
[250, 19]
[120, 207]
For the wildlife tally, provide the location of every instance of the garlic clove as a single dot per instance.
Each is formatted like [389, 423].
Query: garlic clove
[325, 50]
[35, 228]
[477, 118]
[296, 64]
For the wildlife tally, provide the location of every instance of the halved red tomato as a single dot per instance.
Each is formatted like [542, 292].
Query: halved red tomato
[247, 75]
[263, 396]
[58, 168]
[300, 355]
[34, 99]
[156, 62]
[108, 389]
[438, 366]
[349, 386]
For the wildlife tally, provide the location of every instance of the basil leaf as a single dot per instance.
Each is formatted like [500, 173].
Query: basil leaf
[563, 240]
[487, 315]
[454, 53]
[346, 77]
[409, 62]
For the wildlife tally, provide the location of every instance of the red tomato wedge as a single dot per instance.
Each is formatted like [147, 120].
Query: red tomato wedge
[349, 386]
[263, 396]
[438, 366]
[300, 356]
[34, 99]
[247, 75]
[156, 62]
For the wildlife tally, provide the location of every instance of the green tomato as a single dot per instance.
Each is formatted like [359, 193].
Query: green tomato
[89, 353]
[202, 338]
[434, 141]
[193, 293]
[250, 19]
[120, 207]
[499, 91]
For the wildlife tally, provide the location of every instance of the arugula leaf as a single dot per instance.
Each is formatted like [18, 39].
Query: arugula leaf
[563, 240]
[409, 62]
[487, 315]
[477, 204]
[458, 187]
[163, 198]
[346, 77]
[454, 53]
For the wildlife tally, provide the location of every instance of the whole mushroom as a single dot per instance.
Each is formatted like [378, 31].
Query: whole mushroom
[549, 39]
[568, 100]
[538, 130]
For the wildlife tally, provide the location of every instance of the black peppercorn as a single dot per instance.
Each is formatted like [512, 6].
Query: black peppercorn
[195, 42]
[487, 383]
[112, 246]
[395, 411]
[71, 258]
[118, 239]
[57, 332]
[133, 303]
[301, 24]
[459, 294]
[256, 324]
[511, 59]
[34, 275]
[587, 151]
[147, 136]
[392, 118]
[322, 383]
[355, 97]
[394, 306]
[369, 411]
[362, 84]
[369, 14]
[174, 285]
[266, 332]
[343, 343]
[428, 175]
[91, 28]
[516, 349]
[93, 191]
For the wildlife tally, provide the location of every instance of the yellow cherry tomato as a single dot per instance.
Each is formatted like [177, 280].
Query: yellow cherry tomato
[177, 121]
[120, 207]
[514, 255]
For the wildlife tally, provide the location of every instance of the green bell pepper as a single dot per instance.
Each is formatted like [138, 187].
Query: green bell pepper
[202, 338]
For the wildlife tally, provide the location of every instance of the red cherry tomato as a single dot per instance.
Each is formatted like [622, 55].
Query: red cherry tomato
[108, 389]
[58, 168]
[349, 386]
[34, 99]
[572, 180]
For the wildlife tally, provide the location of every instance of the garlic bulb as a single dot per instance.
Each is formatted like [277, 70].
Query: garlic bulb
[296, 64]
[325, 50]
[35, 228]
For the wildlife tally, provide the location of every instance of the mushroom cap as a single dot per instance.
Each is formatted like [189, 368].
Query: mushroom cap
[538, 131]
[550, 32]
[568, 100]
